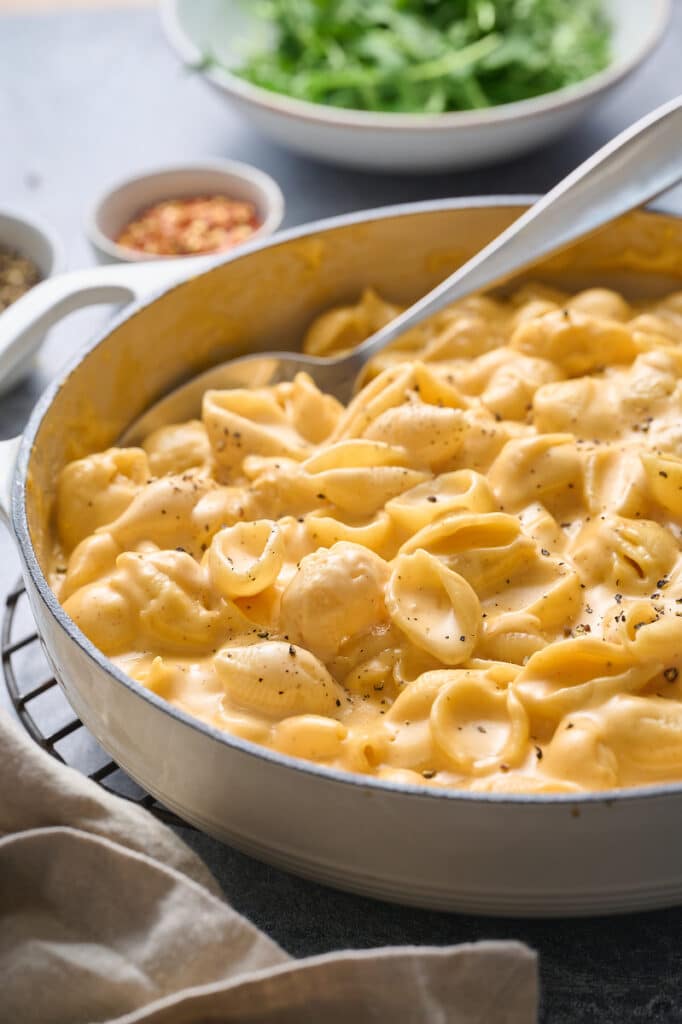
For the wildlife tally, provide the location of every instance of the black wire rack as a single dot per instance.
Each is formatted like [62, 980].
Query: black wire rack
[46, 715]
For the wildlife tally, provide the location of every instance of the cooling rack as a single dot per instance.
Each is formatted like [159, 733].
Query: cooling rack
[45, 713]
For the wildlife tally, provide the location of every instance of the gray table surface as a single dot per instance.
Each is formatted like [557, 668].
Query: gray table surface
[86, 98]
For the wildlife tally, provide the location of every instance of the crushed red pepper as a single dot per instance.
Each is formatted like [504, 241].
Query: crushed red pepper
[189, 226]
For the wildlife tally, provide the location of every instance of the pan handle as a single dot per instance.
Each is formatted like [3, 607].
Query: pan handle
[24, 323]
[8, 457]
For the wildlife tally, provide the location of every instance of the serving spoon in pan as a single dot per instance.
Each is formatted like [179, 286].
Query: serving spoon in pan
[639, 164]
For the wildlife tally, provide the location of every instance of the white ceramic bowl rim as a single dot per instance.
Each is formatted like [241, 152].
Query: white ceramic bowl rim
[21, 530]
[40, 227]
[272, 197]
[318, 112]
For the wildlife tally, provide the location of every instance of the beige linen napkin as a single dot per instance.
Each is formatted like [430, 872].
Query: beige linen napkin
[106, 916]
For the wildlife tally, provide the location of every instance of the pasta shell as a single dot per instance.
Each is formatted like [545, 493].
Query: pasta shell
[384, 392]
[162, 510]
[312, 413]
[355, 454]
[104, 615]
[511, 636]
[167, 594]
[645, 736]
[416, 700]
[96, 490]
[177, 448]
[437, 388]
[430, 433]
[279, 680]
[435, 607]
[359, 476]
[574, 341]
[577, 751]
[246, 558]
[362, 490]
[601, 302]
[652, 632]
[487, 550]
[586, 404]
[93, 558]
[241, 422]
[575, 674]
[325, 531]
[627, 554]
[335, 594]
[548, 468]
[511, 387]
[346, 326]
[664, 476]
[461, 533]
[477, 725]
[220, 507]
[462, 491]
[311, 736]
[615, 480]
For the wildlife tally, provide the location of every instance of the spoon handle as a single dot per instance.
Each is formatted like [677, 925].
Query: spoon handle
[634, 167]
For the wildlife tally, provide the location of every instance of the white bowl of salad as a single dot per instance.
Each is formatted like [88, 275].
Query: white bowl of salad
[414, 85]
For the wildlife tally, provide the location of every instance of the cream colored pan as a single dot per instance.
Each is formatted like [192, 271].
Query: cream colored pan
[495, 854]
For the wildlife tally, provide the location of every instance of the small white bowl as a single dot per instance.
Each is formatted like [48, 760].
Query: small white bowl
[125, 200]
[32, 239]
[400, 142]
[36, 242]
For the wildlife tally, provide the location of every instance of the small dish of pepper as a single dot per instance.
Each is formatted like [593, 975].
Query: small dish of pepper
[17, 275]
[187, 210]
[29, 253]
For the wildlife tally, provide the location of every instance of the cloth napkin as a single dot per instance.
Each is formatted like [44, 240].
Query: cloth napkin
[105, 915]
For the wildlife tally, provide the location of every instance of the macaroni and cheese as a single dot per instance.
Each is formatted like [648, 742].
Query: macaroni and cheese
[471, 576]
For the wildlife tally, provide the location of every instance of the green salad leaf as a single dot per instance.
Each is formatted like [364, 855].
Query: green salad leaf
[427, 56]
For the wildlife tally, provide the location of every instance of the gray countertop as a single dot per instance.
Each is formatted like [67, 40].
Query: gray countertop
[86, 98]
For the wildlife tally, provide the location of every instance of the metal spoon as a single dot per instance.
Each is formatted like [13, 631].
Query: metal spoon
[636, 166]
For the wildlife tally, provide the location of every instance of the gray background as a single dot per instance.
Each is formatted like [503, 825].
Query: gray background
[86, 98]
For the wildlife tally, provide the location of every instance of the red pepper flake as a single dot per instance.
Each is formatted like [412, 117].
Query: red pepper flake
[192, 225]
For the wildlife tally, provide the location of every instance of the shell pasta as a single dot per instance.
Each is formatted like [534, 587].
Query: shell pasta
[471, 576]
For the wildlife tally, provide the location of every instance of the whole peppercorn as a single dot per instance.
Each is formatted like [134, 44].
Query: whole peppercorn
[17, 275]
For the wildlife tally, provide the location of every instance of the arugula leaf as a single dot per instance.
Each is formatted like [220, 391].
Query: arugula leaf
[428, 56]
